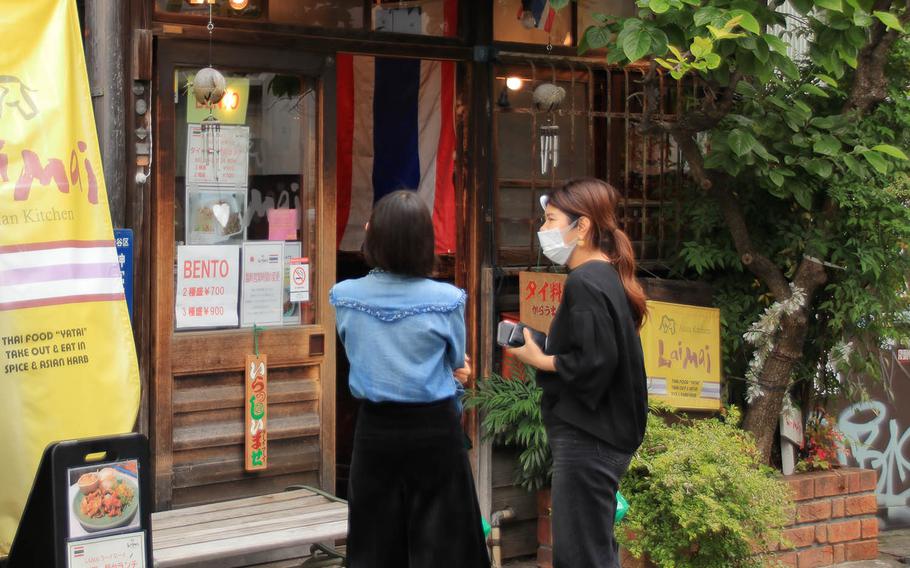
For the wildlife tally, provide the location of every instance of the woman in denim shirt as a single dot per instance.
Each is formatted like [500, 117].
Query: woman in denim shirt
[411, 495]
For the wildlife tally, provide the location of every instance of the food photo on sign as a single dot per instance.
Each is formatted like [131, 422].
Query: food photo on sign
[103, 499]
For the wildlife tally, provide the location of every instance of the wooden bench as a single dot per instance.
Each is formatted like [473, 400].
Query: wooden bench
[249, 531]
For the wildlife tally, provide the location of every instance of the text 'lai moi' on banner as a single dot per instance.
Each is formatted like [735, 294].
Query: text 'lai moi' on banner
[681, 346]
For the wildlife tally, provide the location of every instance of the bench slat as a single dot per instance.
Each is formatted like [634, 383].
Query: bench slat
[235, 503]
[215, 549]
[175, 521]
[245, 527]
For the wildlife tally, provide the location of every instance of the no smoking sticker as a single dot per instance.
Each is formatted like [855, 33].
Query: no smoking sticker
[300, 279]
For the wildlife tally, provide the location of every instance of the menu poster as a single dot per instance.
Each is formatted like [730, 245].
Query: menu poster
[262, 283]
[207, 277]
[220, 159]
[290, 307]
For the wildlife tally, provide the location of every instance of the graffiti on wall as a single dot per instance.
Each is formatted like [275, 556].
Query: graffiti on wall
[877, 432]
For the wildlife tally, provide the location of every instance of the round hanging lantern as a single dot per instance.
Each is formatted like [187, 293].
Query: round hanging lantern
[548, 97]
[209, 86]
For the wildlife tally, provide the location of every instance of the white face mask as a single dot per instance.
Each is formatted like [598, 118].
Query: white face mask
[553, 244]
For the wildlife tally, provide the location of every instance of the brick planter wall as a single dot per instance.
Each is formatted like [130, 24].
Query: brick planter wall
[833, 520]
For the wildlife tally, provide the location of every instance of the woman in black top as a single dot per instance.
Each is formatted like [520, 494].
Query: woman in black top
[595, 399]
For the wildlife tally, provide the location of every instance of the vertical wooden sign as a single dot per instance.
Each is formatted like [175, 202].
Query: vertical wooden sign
[256, 413]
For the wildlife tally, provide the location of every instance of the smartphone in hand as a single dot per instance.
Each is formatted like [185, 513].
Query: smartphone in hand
[510, 334]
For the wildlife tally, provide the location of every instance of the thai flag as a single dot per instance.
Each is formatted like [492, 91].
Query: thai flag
[544, 14]
[396, 130]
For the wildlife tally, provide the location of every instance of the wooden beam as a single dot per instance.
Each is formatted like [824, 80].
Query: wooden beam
[105, 49]
[311, 40]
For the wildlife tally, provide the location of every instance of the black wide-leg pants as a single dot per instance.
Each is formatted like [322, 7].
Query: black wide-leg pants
[411, 496]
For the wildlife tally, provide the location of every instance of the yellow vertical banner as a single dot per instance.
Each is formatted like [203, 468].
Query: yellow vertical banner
[681, 346]
[67, 359]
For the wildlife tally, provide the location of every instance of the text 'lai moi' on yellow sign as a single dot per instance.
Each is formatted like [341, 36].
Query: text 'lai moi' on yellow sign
[681, 345]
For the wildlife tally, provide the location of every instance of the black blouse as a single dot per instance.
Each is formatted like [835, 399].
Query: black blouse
[600, 384]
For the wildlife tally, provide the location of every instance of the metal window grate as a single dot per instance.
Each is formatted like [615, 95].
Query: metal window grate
[598, 137]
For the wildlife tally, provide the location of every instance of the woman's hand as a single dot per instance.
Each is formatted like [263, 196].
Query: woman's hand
[463, 374]
[531, 354]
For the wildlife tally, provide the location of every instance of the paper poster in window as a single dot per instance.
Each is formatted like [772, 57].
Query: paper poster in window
[215, 217]
[262, 283]
[220, 160]
[207, 279]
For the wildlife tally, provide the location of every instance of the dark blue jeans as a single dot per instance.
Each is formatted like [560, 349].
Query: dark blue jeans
[586, 474]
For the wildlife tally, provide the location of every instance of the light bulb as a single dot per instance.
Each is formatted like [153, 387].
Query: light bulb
[239, 4]
[514, 83]
[231, 100]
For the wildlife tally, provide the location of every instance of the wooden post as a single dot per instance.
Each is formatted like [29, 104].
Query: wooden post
[477, 165]
[107, 26]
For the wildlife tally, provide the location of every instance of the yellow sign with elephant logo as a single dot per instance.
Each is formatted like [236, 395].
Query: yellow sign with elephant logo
[682, 355]
[67, 359]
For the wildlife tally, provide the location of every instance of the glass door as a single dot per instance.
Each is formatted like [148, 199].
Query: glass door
[244, 240]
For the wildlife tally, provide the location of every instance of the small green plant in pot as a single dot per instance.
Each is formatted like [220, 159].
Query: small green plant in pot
[511, 417]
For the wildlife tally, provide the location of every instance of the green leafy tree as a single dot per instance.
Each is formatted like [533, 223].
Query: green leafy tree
[799, 206]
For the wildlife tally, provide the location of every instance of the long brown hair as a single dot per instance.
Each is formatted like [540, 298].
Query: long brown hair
[597, 200]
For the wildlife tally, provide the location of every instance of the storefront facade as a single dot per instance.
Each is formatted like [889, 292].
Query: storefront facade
[287, 182]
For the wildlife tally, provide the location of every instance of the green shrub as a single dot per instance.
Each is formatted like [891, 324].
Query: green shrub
[699, 496]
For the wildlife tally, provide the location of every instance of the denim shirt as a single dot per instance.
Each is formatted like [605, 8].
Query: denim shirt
[404, 336]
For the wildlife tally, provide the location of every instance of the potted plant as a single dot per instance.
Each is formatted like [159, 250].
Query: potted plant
[822, 443]
[511, 417]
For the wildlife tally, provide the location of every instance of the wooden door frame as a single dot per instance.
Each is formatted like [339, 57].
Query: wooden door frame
[280, 343]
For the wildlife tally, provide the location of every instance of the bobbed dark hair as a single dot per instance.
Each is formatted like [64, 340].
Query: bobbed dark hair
[400, 238]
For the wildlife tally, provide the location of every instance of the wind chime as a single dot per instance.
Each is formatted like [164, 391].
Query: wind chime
[209, 87]
[548, 98]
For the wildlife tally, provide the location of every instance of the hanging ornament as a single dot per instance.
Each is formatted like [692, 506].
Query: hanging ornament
[548, 98]
[209, 86]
